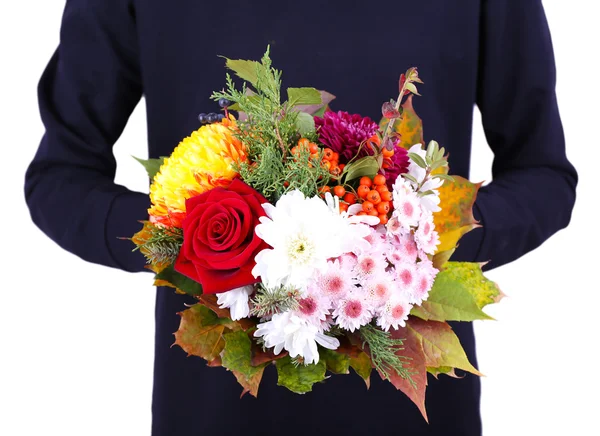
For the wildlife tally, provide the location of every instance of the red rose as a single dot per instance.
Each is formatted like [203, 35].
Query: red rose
[219, 242]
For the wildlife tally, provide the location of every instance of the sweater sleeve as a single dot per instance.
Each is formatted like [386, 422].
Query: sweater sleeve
[86, 95]
[532, 193]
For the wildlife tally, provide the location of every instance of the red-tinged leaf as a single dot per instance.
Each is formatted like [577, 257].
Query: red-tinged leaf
[401, 82]
[389, 111]
[237, 357]
[362, 365]
[441, 346]
[260, 356]
[200, 333]
[210, 301]
[216, 362]
[349, 346]
[446, 370]
[409, 127]
[412, 348]
[441, 259]
[456, 217]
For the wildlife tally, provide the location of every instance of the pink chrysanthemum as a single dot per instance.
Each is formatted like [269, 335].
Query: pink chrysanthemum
[426, 237]
[343, 133]
[402, 249]
[376, 238]
[379, 289]
[335, 282]
[353, 312]
[394, 313]
[423, 283]
[407, 208]
[406, 277]
[369, 265]
[313, 307]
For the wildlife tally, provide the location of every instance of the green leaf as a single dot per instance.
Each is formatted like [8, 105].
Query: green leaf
[152, 165]
[361, 364]
[337, 363]
[443, 177]
[179, 281]
[320, 112]
[440, 345]
[447, 370]
[237, 357]
[301, 378]
[412, 88]
[307, 96]
[200, 332]
[366, 166]
[417, 159]
[246, 70]
[457, 294]
[305, 123]
[411, 178]
[440, 259]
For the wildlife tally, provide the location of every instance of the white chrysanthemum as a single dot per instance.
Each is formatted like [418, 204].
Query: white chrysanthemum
[296, 335]
[413, 169]
[236, 301]
[314, 307]
[303, 233]
[426, 237]
[353, 312]
[394, 313]
[407, 208]
[336, 280]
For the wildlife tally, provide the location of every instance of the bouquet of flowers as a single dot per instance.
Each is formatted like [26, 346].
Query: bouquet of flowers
[314, 240]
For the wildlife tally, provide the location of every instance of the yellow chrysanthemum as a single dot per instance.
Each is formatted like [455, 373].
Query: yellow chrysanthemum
[199, 163]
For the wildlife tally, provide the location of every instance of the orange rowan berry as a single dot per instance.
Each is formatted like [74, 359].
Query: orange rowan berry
[303, 142]
[286, 184]
[313, 148]
[379, 179]
[327, 153]
[294, 150]
[342, 166]
[326, 165]
[339, 190]
[385, 165]
[343, 207]
[361, 213]
[363, 191]
[324, 189]
[374, 197]
[335, 170]
[368, 206]
[387, 196]
[387, 153]
[381, 189]
[350, 198]
[366, 181]
[336, 156]
[373, 213]
[383, 207]
[383, 219]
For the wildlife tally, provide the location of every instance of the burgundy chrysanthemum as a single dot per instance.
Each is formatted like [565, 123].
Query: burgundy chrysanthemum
[343, 133]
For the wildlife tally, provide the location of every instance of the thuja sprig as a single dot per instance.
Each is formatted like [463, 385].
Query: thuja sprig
[268, 302]
[384, 351]
[161, 245]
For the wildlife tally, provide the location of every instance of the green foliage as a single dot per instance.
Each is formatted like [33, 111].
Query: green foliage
[200, 332]
[384, 350]
[337, 363]
[271, 128]
[361, 364]
[160, 245]
[299, 378]
[271, 301]
[459, 293]
[237, 357]
[366, 166]
[181, 282]
[152, 165]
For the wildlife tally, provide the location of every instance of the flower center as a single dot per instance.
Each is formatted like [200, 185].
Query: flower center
[398, 311]
[353, 309]
[406, 277]
[300, 249]
[308, 305]
[408, 209]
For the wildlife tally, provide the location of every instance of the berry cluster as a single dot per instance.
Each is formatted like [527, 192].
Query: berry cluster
[214, 117]
[375, 197]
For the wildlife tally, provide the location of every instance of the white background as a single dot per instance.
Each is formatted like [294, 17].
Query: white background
[63, 321]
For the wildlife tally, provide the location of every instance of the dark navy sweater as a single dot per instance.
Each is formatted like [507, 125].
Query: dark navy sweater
[496, 54]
